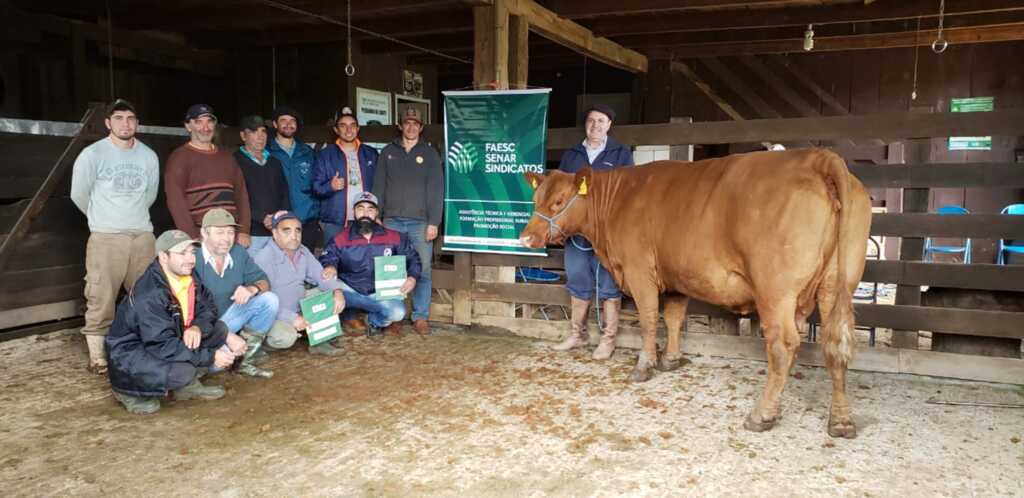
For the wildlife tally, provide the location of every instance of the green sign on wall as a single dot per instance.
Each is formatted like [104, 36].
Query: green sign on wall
[491, 139]
[972, 104]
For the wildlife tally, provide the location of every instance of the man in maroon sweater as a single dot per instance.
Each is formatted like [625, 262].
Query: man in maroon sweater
[200, 177]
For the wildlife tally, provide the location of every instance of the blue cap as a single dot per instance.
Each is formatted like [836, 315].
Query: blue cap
[281, 216]
[197, 111]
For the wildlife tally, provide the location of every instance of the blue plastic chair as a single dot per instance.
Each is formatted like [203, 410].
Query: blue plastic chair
[1004, 247]
[929, 249]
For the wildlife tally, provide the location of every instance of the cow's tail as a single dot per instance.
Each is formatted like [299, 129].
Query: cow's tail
[838, 332]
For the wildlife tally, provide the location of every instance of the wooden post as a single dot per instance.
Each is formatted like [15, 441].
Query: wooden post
[80, 68]
[462, 305]
[915, 200]
[518, 51]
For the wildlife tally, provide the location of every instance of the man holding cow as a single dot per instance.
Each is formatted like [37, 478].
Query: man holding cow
[585, 274]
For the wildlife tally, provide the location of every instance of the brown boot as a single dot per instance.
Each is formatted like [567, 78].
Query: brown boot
[394, 330]
[354, 327]
[578, 336]
[606, 347]
[421, 327]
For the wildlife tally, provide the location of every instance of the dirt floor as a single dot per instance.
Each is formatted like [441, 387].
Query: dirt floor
[482, 414]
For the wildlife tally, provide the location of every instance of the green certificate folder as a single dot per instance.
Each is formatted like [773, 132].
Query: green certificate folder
[318, 310]
[388, 276]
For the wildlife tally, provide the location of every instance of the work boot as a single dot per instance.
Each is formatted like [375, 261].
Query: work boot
[253, 344]
[420, 326]
[606, 347]
[374, 332]
[196, 389]
[578, 336]
[394, 330]
[354, 328]
[330, 348]
[97, 354]
[137, 405]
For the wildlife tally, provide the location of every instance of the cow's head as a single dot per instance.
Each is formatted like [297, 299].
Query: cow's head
[559, 207]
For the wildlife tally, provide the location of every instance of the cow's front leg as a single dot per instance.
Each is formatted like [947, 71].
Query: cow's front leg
[675, 318]
[647, 308]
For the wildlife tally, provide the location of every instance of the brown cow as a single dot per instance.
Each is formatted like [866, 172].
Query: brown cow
[775, 232]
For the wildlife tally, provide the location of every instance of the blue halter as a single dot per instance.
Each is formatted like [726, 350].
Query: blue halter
[552, 226]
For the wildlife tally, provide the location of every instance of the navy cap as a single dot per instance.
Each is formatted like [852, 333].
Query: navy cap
[284, 110]
[120, 105]
[601, 108]
[281, 216]
[197, 111]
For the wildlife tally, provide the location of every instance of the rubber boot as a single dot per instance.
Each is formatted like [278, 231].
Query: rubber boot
[196, 389]
[97, 353]
[606, 347]
[578, 336]
[253, 344]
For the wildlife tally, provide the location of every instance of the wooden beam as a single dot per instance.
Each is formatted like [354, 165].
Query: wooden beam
[779, 86]
[484, 70]
[657, 48]
[918, 224]
[887, 125]
[736, 84]
[980, 175]
[954, 275]
[518, 51]
[574, 9]
[91, 122]
[705, 88]
[675, 22]
[570, 34]
[809, 82]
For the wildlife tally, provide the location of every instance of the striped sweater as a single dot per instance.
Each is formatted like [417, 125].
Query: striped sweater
[197, 181]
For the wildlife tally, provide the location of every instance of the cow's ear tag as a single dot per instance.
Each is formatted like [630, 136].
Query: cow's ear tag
[583, 187]
[534, 183]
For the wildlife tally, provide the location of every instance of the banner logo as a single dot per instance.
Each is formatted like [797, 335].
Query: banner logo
[462, 158]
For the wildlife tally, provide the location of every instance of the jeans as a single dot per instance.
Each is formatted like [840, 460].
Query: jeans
[416, 231]
[258, 242]
[380, 313]
[582, 268]
[330, 230]
[256, 316]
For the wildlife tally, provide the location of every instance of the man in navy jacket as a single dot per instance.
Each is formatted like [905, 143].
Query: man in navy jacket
[342, 171]
[585, 275]
[350, 256]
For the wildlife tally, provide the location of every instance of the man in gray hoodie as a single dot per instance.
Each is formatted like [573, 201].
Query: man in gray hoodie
[114, 182]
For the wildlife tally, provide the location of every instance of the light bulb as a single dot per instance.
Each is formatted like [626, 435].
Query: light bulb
[809, 38]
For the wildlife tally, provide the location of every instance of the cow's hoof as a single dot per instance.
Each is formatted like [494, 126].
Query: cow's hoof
[845, 428]
[755, 423]
[640, 375]
[667, 364]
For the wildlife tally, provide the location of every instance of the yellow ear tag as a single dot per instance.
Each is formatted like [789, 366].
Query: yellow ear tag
[534, 183]
[583, 187]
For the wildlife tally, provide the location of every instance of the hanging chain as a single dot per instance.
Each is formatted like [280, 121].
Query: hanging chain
[349, 68]
[913, 93]
[940, 44]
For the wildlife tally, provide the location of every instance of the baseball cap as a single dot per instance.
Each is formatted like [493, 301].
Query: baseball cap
[284, 110]
[120, 105]
[413, 114]
[367, 197]
[218, 217]
[601, 108]
[281, 216]
[174, 241]
[253, 122]
[197, 111]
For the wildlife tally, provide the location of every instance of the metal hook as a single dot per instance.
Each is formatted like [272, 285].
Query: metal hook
[939, 45]
[350, 69]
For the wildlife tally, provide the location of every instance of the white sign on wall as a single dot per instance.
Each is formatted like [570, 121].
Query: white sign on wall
[373, 107]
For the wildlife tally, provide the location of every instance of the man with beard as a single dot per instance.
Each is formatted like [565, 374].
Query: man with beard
[200, 177]
[341, 172]
[410, 185]
[166, 334]
[291, 267]
[297, 160]
[584, 272]
[239, 287]
[264, 179]
[350, 256]
[114, 182]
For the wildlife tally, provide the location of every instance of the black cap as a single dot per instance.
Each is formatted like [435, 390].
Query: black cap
[199, 110]
[284, 110]
[252, 122]
[120, 105]
[601, 108]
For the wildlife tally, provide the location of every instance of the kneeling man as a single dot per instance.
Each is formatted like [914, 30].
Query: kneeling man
[166, 334]
[291, 267]
[349, 255]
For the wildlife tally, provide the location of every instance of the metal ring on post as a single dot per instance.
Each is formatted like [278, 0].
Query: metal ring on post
[350, 69]
[939, 45]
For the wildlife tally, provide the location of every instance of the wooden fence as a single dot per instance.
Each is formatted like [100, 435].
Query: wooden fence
[43, 277]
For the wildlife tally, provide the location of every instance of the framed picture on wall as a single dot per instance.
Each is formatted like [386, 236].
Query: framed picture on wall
[403, 102]
[373, 107]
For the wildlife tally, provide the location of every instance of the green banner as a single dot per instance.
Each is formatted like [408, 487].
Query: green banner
[971, 104]
[491, 139]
